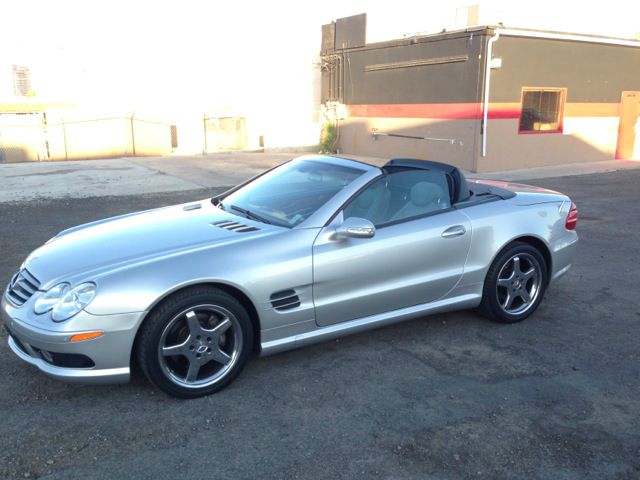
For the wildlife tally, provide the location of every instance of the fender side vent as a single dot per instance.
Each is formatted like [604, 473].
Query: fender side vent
[284, 300]
[234, 226]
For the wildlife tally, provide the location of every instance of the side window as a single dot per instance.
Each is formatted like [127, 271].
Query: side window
[401, 195]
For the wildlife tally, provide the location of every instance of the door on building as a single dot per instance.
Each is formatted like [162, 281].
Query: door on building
[629, 130]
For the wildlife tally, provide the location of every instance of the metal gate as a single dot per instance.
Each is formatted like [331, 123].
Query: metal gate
[224, 133]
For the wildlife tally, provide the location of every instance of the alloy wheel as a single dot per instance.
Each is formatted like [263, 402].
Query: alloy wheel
[519, 283]
[200, 345]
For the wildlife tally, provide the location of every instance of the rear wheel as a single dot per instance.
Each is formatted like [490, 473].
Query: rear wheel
[515, 284]
[196, 342]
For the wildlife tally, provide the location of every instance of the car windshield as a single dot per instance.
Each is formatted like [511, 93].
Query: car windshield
[290, 193]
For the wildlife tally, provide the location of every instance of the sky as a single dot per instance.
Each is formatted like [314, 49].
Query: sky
[160, 55]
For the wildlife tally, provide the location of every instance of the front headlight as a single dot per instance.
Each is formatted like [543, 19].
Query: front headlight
[48, 299]
[65, 302]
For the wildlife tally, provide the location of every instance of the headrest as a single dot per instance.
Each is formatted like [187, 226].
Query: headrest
[423, 193]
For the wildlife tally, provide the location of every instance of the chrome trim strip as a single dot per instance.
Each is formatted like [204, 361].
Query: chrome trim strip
[282, 294]
[285, 306]
[20, 295]
[26, 287]
[29, 277]
[233, 226]
[374, 321]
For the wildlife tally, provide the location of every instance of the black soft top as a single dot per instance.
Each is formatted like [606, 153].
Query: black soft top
[457, 183]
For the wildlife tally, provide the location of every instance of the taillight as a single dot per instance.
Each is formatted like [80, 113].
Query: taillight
[572, 218]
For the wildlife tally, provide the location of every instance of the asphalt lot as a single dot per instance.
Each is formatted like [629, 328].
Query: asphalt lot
[446, 397]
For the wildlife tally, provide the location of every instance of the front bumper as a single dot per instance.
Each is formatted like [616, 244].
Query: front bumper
[105, 359]
[72, 375]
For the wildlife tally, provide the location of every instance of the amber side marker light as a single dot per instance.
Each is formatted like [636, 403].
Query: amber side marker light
[79, 337]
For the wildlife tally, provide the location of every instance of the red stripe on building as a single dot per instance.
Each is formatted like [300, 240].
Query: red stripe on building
[448, 111]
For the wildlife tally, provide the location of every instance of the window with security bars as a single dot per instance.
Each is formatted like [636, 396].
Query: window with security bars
[21, 81]
[541, 110]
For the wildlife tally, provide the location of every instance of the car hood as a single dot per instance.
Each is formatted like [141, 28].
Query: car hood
[138, 237]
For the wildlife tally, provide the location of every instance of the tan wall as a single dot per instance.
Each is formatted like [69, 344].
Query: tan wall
[355, 137]
[22, 138]
[107, 138]
[585, 139]
[91, 139]
[151, 138]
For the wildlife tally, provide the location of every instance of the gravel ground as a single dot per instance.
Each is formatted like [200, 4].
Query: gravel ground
[446, 397]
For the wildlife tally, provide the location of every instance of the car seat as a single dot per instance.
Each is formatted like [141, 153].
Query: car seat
[424, 197]
[371, 204]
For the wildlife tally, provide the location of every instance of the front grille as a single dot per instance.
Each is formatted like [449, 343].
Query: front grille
[21, 287]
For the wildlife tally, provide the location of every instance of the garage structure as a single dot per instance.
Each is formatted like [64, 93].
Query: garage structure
[483, 98]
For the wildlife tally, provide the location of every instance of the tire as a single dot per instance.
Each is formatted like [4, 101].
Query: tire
[515, 284]
[195, 343]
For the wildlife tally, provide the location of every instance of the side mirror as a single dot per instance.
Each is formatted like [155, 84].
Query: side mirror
[355, 227]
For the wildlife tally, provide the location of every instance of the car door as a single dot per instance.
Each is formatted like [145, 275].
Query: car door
[416, 256]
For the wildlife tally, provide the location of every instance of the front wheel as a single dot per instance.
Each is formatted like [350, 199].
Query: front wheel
[515, 284]
[195, 343]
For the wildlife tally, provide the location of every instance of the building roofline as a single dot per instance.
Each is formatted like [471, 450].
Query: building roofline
[489, 30]
[575, 37]
[419, 38]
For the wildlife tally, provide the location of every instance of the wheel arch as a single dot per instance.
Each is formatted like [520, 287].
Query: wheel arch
[232, 290]
[536, 242]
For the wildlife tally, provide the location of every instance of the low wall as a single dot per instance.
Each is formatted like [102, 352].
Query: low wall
[28, 137]
[108, 138]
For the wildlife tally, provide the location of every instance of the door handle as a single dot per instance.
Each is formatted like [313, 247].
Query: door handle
[454, 231]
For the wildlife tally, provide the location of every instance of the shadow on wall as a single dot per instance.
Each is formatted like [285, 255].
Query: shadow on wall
[462, 145]
[14, 155]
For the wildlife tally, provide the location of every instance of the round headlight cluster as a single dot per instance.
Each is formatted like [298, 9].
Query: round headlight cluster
[63, 301]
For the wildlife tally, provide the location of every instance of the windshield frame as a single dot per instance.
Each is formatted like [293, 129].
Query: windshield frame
[319, 218]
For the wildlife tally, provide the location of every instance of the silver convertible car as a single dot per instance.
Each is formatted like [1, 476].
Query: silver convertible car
[314, 249]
